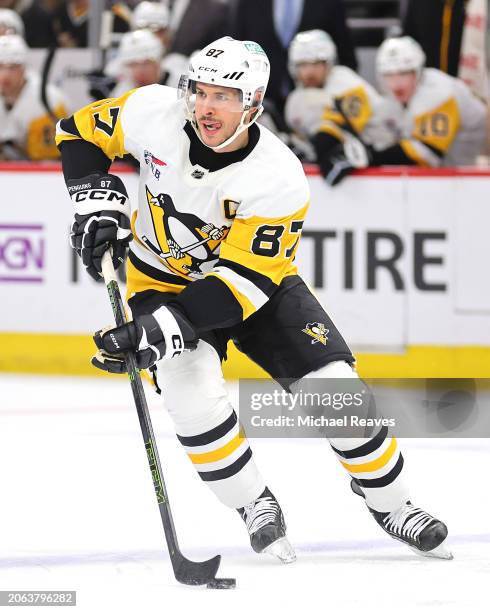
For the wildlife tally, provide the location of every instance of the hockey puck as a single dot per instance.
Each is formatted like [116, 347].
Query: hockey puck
[221, 583]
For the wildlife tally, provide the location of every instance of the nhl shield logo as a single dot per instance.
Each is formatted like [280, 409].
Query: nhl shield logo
[317, 332]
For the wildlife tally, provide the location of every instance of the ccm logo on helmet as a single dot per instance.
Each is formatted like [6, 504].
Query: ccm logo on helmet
[100, 194]
[207, 69]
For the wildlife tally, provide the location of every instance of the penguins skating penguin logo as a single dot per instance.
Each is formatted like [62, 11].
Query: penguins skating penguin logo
[318, 332]
[184, 242]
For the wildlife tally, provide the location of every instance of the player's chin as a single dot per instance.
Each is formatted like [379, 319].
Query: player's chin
[212, 139]
[401, 96]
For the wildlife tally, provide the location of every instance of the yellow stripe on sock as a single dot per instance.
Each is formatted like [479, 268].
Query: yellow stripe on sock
[376, 464]
[219, 453]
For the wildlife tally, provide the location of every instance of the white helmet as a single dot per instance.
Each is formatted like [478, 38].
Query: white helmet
[402, 54]
[138, 46]
[13, 49]
[311, 46]
[11, 21]
[227, 62]
[151, 15]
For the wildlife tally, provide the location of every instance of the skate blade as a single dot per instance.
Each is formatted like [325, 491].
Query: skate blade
[439, 552]
[281, 549]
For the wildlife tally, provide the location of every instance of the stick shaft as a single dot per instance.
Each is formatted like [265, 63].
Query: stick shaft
[185, 570]
[142, 410]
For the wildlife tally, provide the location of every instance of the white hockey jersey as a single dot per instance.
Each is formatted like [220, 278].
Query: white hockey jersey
[240, 223]
[28, 125]
[346, 99]
[443, 124]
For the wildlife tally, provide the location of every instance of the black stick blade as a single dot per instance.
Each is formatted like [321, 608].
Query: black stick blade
[195, 572]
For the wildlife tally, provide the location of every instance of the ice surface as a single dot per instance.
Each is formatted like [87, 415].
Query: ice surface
[78, 512]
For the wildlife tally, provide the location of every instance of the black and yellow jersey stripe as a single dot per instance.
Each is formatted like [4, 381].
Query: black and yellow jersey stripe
[98, 123]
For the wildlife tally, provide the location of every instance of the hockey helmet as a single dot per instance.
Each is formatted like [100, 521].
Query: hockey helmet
[311, 46]
[138, 46]
[13, 49]
[403, 54]
[151, 15]
[241, 65]
[11, 22]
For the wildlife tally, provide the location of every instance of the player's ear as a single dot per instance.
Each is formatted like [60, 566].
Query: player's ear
[251, 114]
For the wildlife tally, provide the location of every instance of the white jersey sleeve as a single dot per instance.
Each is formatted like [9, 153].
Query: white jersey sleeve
[113, 124]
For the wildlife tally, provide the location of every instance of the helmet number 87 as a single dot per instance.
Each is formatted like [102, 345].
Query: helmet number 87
[267, 239]
[214, 53]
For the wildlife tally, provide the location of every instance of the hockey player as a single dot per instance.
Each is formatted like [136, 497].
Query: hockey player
[215, 230]
[140, 62]
[153, 16]
[439, 120]
[11, 23]
[27, 130]
[332, 106]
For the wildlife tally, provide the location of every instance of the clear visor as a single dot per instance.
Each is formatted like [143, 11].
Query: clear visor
[204, 98]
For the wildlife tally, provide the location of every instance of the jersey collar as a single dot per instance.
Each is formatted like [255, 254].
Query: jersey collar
[201, 155]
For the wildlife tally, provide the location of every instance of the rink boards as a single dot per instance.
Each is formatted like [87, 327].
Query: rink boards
[398, 258]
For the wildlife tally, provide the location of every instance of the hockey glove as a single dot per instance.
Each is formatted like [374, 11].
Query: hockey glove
[101, 220]
[336, 166]
[343, 159]
[161, 335]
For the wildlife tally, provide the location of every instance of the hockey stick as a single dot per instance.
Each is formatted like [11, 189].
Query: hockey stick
[356, 150]
[185, 249]
[48, 62]
[185, 571]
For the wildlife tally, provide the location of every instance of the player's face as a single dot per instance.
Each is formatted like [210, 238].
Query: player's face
[401, 85]
[146, 72]
[312, 74]
[218, 112]
[7, 29]
[11, 79]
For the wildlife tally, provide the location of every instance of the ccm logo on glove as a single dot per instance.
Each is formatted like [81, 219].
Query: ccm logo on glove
[102, 220]
[99, 194]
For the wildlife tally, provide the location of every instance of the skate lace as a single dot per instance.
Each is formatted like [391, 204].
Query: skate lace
[259, 513]
[408, 521]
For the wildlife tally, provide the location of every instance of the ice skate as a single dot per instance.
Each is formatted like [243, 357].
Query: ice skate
[423, 533]
[266, 527]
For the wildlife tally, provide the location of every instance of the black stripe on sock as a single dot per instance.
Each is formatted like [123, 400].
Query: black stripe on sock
[261, 281]
[229, 471]
[212, 435]
[377, 483]
[365, 449]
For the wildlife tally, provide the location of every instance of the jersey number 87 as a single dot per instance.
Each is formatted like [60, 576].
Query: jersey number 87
[267, 240]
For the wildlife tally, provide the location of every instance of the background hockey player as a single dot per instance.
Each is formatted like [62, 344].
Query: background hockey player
[10, 23]
[332, 106]
[215, 230]
[439, 120]
[140, 61]
[26, 128]
[153, 16]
